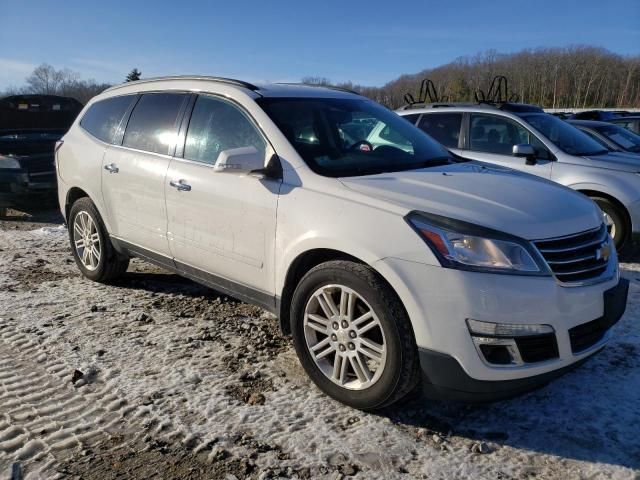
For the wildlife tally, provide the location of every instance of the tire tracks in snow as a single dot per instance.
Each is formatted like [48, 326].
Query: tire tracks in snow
[44, 417]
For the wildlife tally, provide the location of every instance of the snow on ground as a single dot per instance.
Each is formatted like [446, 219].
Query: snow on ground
[158, 375]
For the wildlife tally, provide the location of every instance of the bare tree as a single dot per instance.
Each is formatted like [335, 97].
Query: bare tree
[576, 76]
[45, 79]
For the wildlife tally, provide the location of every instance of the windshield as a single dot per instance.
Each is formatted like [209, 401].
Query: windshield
[621, 136]
[340, 137]
[565, 136]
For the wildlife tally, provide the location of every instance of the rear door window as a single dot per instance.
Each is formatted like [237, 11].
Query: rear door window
[443, 127]
[154, 122]
[103, 117]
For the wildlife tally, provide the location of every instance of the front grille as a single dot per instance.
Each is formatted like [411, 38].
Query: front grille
[579, 257]
[588, 334]
[36, 165]
[538, 348]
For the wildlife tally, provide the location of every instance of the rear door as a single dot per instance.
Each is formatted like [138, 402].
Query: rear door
[222, 225]
[490, 138]
[133, 174]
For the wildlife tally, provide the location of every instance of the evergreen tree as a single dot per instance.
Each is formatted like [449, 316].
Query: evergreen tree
[133, 75]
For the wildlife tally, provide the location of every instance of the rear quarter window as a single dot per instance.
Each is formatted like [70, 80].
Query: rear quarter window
[103, 117]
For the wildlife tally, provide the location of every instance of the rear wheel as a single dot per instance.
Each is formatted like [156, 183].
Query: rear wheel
[615, 220]
[352, 335]
[92, 249]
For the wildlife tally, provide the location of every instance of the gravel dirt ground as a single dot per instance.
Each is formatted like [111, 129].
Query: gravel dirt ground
[158, 377]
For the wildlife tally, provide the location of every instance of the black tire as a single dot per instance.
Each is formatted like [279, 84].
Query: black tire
[401, 371]
[619, 220]
[112, 264]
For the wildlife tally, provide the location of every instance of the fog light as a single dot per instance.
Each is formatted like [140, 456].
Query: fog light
[508, 330]
[497, 343]
[497, 354]
[498, 351]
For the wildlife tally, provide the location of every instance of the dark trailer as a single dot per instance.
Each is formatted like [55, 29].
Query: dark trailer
[30, 126]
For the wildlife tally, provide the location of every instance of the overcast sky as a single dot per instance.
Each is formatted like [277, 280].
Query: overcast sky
[368, 42]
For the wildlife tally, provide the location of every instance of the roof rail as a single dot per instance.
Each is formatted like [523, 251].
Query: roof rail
[230, 81]
[330, 87]
[436, 105]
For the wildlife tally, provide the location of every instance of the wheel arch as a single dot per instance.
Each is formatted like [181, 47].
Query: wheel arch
[301, 264]
[596, 193]
[73, 195]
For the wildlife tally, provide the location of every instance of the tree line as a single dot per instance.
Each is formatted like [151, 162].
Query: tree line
[570, 77]
[47, 80]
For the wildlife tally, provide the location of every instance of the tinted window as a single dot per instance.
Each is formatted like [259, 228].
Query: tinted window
[567, 137]
[621, 136]
[593, 136]
[411, 118]
[444, 127]
[321, 130]
[153, 125]
[217, 125]
[493, 134]
[103, 117]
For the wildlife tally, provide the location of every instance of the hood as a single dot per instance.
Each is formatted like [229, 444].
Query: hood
[621, 161]
[28, 143]
[489, 196]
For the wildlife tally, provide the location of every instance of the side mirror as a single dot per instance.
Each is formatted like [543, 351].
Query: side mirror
[239, 160]
[527, 151]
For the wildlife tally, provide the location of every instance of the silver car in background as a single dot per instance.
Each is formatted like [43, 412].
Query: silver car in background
[525, 138]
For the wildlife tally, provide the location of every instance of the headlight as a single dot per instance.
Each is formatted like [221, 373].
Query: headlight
[470, 247]
[8, 162]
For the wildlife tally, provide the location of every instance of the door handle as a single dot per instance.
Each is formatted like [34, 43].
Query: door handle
[112, 168]
[180, 185]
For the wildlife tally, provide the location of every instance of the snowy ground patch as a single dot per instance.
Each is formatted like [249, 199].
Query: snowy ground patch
[158, 375]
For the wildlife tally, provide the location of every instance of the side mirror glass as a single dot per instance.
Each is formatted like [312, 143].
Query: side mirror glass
[525, 150]
[239, 160]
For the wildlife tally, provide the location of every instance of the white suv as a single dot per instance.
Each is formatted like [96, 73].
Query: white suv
[387, 264]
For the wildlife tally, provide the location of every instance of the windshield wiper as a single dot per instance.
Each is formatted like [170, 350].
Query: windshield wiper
[432, 162]
[593, 154]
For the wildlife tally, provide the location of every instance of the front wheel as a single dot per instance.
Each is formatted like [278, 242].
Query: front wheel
[353, 336]
[615, 221]
[92, 249]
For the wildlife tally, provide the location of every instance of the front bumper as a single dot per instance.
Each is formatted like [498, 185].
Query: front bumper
[443, 378]
[439, 300]
[21, 190]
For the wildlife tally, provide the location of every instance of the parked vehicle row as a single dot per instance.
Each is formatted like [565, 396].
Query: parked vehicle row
[29, 127]
[611, 136]
[525, 138]
[390, 260]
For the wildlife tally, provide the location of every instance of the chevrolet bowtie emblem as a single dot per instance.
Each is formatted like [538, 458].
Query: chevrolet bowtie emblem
[603, 252]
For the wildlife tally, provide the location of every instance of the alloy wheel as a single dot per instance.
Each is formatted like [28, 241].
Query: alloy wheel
[87, 240]
[344, 337]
